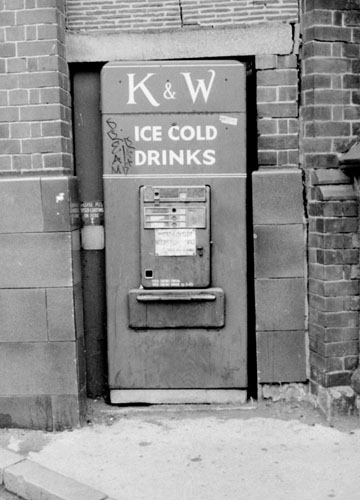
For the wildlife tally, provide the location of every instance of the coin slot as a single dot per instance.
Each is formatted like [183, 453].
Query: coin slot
[149, 274]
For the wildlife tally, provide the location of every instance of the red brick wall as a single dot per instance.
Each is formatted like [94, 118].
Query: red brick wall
[134, 15]
[277, 110]
[330, 114]
[35, 129]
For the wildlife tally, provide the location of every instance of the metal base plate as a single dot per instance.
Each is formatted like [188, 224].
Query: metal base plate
[178, 396]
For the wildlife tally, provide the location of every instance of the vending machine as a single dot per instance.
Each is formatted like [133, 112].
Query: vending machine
[175, 229]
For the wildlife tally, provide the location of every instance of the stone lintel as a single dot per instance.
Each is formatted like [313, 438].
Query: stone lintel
[262, 38]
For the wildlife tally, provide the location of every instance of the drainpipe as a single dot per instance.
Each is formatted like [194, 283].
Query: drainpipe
[88, 157]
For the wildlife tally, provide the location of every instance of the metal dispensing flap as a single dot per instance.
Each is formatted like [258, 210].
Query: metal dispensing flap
[176, 308]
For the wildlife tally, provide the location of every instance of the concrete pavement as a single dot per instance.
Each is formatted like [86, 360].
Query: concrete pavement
[256, 451]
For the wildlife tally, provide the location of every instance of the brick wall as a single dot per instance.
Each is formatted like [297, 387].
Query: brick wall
[35, 128]
[279, 224]
[278, 110]
[42, 376]
[134, 15]
[330, 114]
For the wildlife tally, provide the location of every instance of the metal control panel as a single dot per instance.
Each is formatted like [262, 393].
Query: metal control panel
[175, 236]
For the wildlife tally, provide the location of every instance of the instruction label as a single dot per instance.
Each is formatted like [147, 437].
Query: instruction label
[92, 213]
[175, 242]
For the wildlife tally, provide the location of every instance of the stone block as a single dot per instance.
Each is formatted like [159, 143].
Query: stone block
[281, 356]
[355, 381]
[7, 458]
[266, 61]
[38, 368]
[68, 411]
[35, 260]
[33, 481]
[337, 401]
[46, 412]
[289, 392]
[79, 308]
[76, 256]
[81, 360]
[279, 251]
[20, 206]
[60, 314]
[60, 203]
[336, 193]
[278, 196]
[23, 315]
[26, 412]
[280, 304]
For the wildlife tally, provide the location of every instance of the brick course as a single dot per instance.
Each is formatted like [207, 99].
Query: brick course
[278, 111]
[106, 15]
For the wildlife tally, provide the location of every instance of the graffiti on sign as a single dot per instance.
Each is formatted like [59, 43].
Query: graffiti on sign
[121, 149]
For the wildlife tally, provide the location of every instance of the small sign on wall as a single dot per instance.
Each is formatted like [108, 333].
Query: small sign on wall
[92, 218]
[92, 213]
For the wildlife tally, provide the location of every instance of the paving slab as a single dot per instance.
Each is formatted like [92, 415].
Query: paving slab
[33, 481]
[28, 480]
[7, 458]
[6, 495]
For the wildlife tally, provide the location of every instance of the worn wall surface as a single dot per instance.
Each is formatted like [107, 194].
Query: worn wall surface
[149, 14]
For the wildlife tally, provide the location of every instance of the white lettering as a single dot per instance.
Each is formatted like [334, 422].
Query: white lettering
[175, 157]
[192, 156]
[172, 131]
[141, 85]
[211, 133]
[200, 86]
[209, 157]
[153, 157]
[169, 157]
[189, 133]
[148, 133]
[140, 157]
[157, 133]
